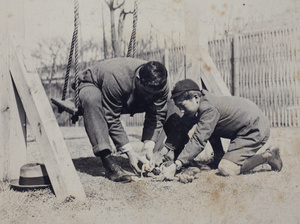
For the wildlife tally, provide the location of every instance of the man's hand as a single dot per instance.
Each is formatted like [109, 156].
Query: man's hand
[134, 159]
[159, 156]
[148, 147]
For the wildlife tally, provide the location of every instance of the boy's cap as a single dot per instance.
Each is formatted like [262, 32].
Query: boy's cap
[183, 86]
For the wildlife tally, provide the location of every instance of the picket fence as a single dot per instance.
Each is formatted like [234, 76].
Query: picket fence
[266, 66]
[262, 66]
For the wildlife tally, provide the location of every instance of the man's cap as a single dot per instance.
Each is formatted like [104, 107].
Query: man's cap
[183, 86]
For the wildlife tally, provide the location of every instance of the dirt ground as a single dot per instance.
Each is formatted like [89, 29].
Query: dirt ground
[257, 197]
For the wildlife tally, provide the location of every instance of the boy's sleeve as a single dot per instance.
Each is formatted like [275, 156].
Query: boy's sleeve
[208, 120]
[177, 130]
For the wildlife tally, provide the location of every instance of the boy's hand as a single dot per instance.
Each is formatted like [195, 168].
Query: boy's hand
[164, 155]
[170, 156]
[168, 173]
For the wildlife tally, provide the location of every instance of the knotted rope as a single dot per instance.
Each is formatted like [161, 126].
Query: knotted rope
[76, 25]
[74, 44]
[132, 43]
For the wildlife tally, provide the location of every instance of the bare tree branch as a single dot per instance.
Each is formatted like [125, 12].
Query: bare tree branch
[120, 5]
[110, 3]
[117, 27]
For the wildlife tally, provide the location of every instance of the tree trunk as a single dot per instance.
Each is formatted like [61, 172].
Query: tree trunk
[114, 41]
[117, 34]
[121, 28]
[104, 37]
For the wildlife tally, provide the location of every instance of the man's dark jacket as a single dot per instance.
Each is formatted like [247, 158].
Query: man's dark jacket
[116, 80]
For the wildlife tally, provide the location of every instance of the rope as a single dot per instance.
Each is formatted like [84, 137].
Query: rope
[74, 44]
[76, 24]
[68, 69]
[132, 42]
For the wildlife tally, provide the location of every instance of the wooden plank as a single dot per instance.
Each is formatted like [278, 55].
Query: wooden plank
[18, 128]
[12, 118]
[54, 152]
[4, 101]
[67, 105]
[211, 76]
[17, 131]
[192, 35]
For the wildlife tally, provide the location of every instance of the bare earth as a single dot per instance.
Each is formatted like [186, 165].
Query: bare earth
[258, 197]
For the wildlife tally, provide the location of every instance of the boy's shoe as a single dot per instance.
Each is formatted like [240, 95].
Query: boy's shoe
[274, 161]
[213, 165]
[115, 172]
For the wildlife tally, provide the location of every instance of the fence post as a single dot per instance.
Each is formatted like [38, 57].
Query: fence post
[167, 65]
[236, 65]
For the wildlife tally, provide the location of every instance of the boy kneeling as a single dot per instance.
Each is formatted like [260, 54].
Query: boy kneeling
[235, 118]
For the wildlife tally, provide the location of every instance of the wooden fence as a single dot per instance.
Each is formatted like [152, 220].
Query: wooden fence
[262, 66]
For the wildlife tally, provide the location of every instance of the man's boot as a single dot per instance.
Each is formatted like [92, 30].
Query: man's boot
[115, 172]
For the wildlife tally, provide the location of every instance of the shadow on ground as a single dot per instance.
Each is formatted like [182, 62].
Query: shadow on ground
[93, 165]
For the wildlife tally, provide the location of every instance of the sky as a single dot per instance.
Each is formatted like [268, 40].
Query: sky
[45, 19]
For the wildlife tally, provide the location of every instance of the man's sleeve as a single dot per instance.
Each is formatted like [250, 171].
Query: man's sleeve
[112, 104]
[208, 120]
[155, 116]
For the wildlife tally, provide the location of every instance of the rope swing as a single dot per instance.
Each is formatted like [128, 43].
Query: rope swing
[69, 105]
[73, 43]
[132, 43]
[64, 105]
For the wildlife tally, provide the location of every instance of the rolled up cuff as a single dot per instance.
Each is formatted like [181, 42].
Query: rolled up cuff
[125, 148]
[100, 147]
